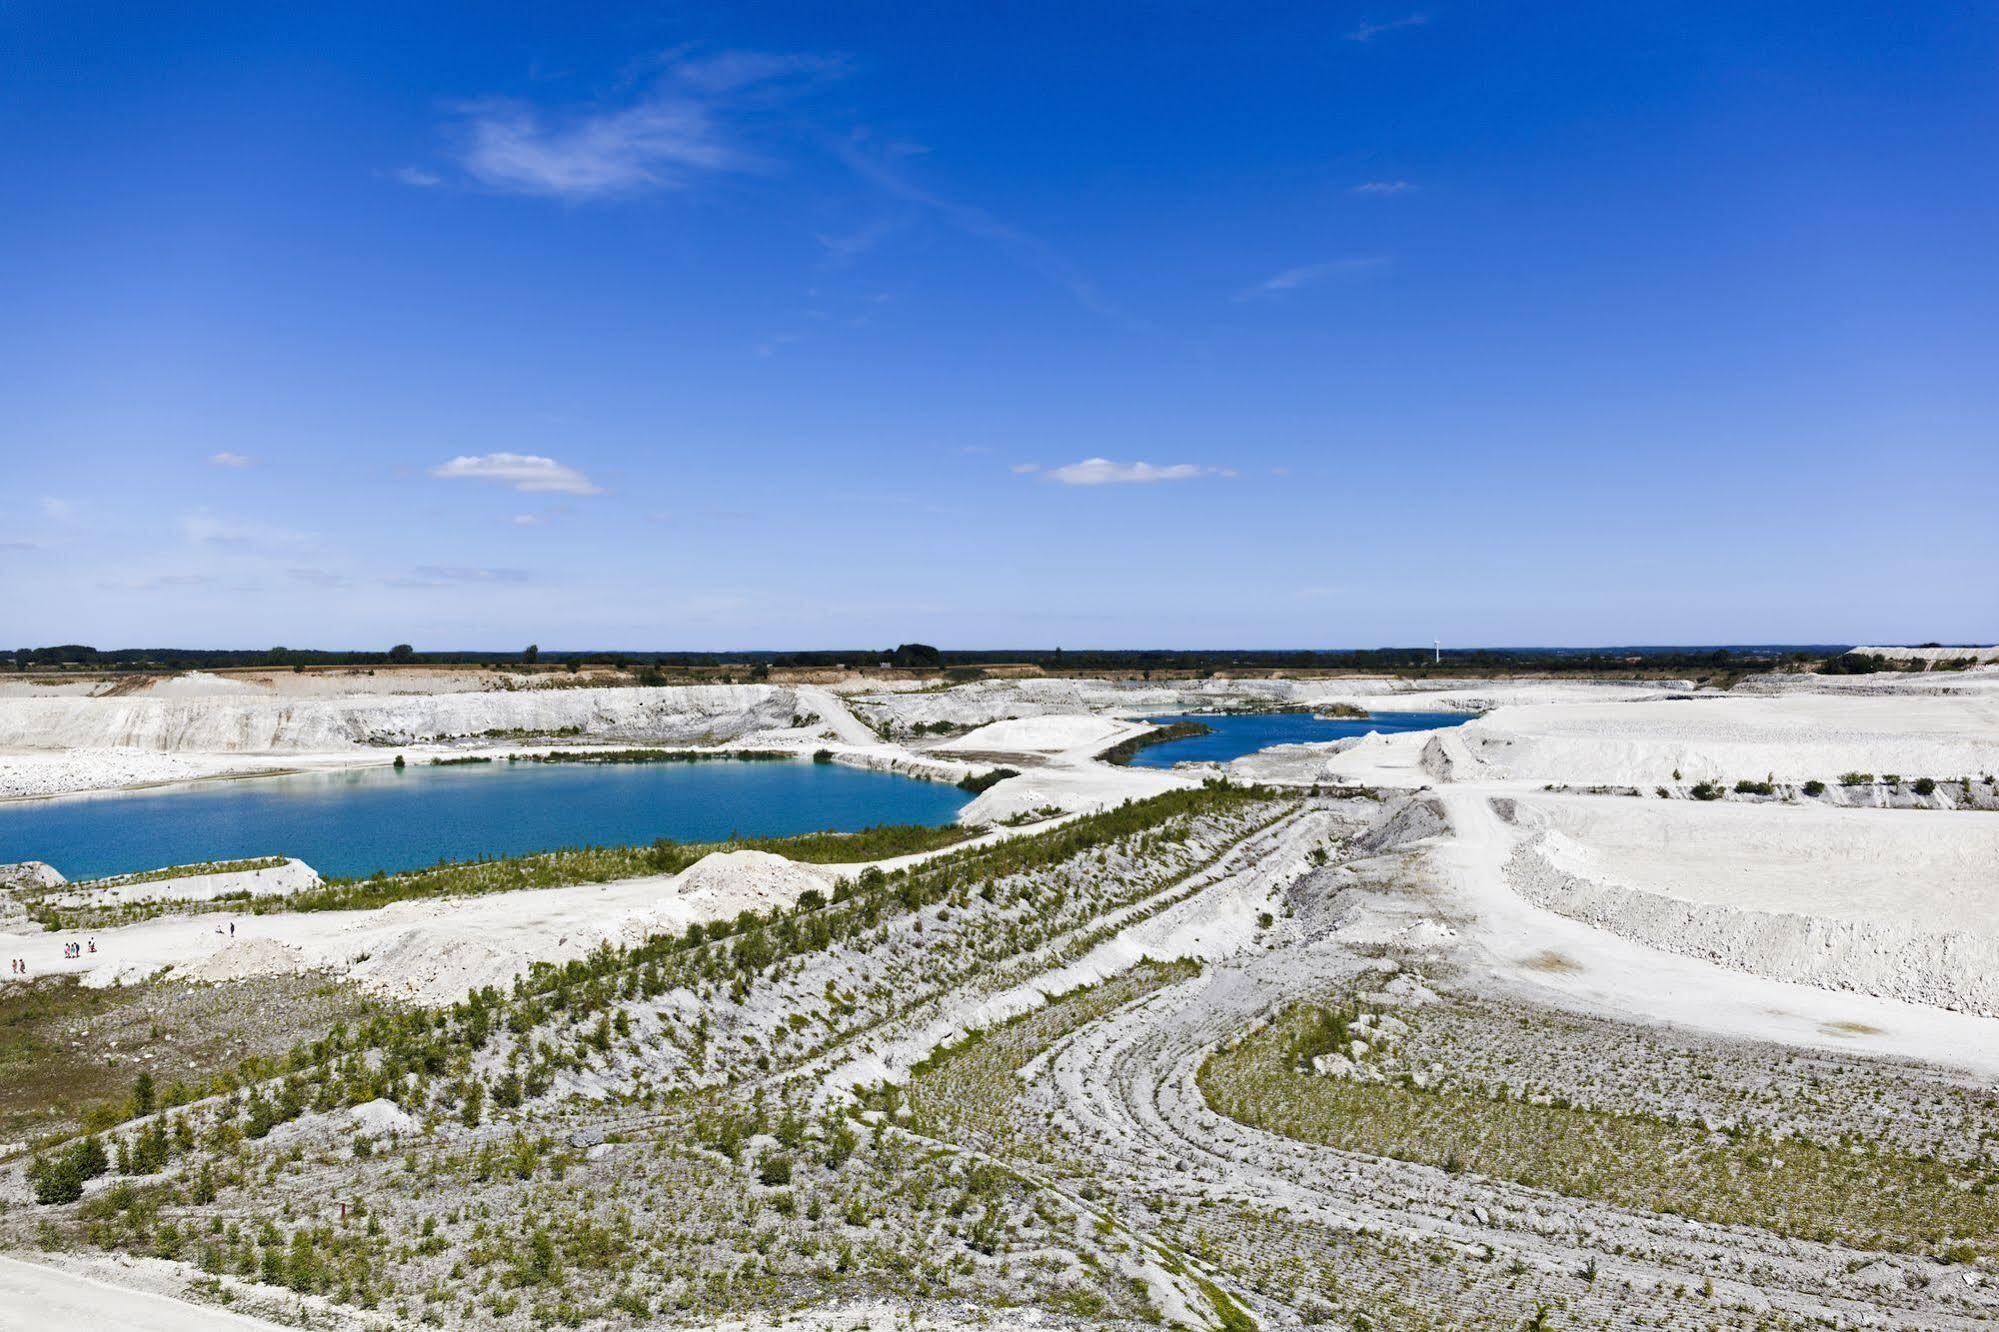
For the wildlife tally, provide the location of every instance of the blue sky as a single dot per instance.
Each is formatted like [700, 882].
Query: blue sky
[803, 325]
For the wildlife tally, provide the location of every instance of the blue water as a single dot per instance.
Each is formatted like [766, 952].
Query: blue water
[1236, 735]
[354, 823]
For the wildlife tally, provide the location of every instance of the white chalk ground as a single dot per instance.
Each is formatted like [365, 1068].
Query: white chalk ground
[39, 1298]
[1847, 927]
[271, 881]
[1828, 869]
[435, 951]
[1935, 870]
[1602, 972]
[1929, 656]
[883, 1316]
[1039, 735]
[429, 951]
[1793, 738]
[1898, 903]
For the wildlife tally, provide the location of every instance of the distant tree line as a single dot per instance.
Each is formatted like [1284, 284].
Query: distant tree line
[964, 662]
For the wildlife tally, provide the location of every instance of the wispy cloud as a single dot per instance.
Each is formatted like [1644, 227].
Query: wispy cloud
[318, 577]
[445, 575]
[56, 508]
[529, 472]
[228, 459]
[1290, 279]
[529, 520]
[204, 529]
[1104, 472]
[1367, 32]
[1030, 252]
[1022, 469]
[417, 177]
[156, 583]
[1381, 189]
[18, 545]
[673, 135]
[855, 243]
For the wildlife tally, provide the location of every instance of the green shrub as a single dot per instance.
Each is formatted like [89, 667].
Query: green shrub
[986, 781]
[1706, 791]
[1925, 786]
[1122, 752]
[60, 1178]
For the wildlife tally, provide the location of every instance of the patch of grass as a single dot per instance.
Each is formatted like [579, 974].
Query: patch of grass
[655, 756]
[1874, 1198]
[67, 1049]
[1551, 961]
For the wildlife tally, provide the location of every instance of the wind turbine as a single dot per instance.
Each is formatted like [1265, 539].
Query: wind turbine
[1437, 647]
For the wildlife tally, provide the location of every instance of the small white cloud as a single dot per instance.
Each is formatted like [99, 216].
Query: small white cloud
[529, 520]
[1022, 469]
[1104, 472]
[57, 508]
[228, 459]
[417, 177]
[1306, 274]
[1381, 189]
[527, 472]
[1367, 32]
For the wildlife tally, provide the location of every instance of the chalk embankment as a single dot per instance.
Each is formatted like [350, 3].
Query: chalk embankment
[1885, 902]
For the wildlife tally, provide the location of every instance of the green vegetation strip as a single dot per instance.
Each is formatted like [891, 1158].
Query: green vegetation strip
[1125, 750]
[562, 868]
[1869, 1198]
[178, 872]
[655, 756]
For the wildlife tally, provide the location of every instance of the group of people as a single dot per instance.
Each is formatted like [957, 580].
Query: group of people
[18, 966]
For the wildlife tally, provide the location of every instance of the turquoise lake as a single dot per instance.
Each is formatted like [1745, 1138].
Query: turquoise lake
[1234, 735]
[354, 823]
